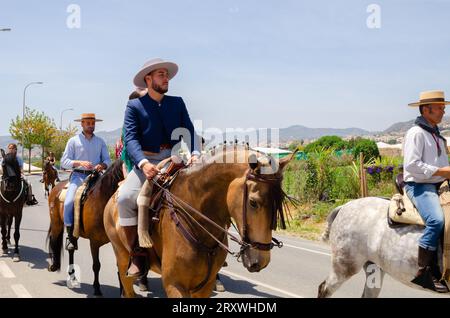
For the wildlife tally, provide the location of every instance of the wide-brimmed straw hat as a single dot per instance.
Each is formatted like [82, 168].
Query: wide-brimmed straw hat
[152, 65]
[430, 97]
[88, 116]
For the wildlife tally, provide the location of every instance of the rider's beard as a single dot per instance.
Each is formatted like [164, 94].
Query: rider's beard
[159, 88]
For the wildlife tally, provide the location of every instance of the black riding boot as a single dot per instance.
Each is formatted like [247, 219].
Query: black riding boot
[138, 256]
[426, 276]
[71, 241]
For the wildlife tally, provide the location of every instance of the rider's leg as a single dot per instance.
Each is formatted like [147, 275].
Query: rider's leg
[75, 181]
[128, 220]
[426, 200]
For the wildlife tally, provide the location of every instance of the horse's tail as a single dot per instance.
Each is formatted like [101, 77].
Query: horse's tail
[326, 235]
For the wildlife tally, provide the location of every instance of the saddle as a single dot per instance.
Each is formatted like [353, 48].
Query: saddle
[80, 199]
[402, 212]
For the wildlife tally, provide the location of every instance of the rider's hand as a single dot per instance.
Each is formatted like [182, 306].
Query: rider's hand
[194, 159]
[98, 168]
[150, 170]
[86, 164]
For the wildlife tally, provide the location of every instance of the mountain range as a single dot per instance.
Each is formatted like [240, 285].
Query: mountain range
[295, 132]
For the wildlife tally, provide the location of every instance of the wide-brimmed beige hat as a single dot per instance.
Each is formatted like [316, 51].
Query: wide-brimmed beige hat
[88, 116]
[430, 97]
[152, 65]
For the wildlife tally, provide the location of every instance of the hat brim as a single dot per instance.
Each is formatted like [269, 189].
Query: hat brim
[139, 81]
[417, 104]
[80, 120]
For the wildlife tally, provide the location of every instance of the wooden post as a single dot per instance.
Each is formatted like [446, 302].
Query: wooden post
[362, 176]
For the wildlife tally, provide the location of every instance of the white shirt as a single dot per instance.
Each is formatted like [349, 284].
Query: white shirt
[420, 156]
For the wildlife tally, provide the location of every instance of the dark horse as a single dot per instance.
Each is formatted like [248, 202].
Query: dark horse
[12, 199]
[49, 177]
[91, 226]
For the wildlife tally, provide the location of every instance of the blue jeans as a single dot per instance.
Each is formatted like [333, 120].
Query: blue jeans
[426, 199]
[75, 181]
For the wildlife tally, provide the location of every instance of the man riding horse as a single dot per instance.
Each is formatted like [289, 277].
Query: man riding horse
[148, 126]
[12, 148]
[51, 159]
[84, 153]
[426, 167]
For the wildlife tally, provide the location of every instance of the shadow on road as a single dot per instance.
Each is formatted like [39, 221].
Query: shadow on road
[35, 256]
[238, 286]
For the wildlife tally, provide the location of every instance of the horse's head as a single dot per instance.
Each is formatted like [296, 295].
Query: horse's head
[11, 171]
[256, 204]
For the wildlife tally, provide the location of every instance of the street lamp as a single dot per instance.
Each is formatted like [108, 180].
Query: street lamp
[23, 108]
[62, 112]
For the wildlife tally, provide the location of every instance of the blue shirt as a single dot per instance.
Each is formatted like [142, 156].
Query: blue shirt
[81, 148]
[149, 124]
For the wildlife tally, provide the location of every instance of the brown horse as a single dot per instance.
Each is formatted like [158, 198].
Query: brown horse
[188, 250]
[12, 199]
[49, 177]
[92, 220]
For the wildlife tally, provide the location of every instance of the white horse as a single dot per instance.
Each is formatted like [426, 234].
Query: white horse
[360, 237]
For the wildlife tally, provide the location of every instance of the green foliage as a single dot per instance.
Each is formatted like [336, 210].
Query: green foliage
[60, 140]
[326, 142]
[368, 147]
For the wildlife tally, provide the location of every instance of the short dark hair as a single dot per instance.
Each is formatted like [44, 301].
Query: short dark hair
[12, 145]
[421, 107]
[134, 95]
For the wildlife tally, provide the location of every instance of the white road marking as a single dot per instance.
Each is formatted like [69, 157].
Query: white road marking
[307, 249]
[20, 291]
[5, 271]
[296, 247]
[261, 284]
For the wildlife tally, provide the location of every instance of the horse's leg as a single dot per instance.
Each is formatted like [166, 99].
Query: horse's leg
[3, 220]
[126, 283]
[56, 236]
[143, 283]
[343, 267]
[206, 291]
[95, 249]
[175, 291]
[73, 282]
[374, 280]
[8, 236]
[17, 221]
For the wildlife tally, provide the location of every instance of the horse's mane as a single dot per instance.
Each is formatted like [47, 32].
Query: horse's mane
[229, 152]
[111, 177]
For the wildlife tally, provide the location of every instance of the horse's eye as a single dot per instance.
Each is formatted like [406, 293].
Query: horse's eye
[253, 204]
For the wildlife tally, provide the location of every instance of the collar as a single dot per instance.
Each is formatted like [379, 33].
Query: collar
[84, 137]
[148, 100]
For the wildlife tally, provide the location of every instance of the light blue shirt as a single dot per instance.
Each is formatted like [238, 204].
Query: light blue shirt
[81, 148]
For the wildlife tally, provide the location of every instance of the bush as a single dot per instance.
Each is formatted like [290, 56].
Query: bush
[325, 143]
[368, 147]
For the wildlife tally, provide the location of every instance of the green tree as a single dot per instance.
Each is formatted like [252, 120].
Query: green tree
[46, 131]
[325, 143]
[58, 144]
[368, 147]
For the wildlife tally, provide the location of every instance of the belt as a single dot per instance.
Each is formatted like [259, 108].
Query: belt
[86, 172]
[162, 147]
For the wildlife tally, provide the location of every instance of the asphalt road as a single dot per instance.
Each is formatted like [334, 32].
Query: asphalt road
[296, 270]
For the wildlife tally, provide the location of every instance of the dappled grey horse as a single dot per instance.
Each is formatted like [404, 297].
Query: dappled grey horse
[360, 237]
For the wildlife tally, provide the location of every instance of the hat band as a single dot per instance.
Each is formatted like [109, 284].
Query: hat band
[432, 100]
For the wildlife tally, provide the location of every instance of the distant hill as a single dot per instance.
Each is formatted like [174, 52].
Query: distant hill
[302, 132]
[402, 127]
[110, 137]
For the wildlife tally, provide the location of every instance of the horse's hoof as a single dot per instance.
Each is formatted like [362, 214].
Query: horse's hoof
[8, 242]
[53, 268]
[16, 258]
[219, 286]
[143, 287]
[98, 294]
[5, 252]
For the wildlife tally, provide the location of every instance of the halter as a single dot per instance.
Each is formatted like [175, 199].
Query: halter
[273, 181]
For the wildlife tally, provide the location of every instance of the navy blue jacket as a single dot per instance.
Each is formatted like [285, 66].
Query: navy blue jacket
[148, 125]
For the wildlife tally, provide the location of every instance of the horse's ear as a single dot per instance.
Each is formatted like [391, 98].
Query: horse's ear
[253, 161]
[3, 153]
[284, 161]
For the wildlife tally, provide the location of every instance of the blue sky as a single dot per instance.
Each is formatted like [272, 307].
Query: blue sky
[247, 63]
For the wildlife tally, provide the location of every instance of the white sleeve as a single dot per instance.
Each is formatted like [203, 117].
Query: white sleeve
[413, 154]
